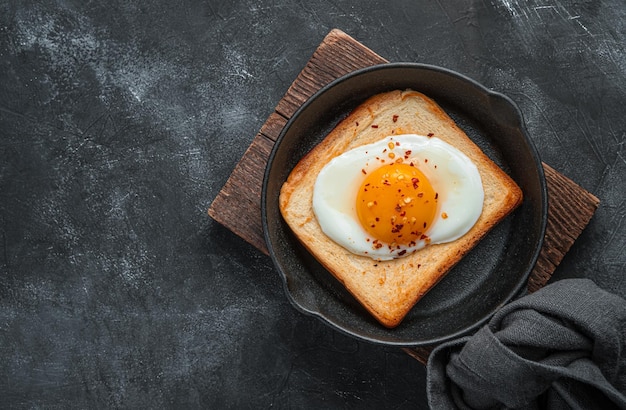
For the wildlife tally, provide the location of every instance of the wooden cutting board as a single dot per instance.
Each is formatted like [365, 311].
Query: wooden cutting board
[238, 204]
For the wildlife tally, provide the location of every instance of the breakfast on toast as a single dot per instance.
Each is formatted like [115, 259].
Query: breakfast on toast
[392, 198]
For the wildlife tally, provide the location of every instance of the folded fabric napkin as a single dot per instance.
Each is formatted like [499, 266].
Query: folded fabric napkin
[563, 346]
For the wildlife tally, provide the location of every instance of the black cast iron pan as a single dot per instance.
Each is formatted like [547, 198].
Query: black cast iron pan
[492, 274]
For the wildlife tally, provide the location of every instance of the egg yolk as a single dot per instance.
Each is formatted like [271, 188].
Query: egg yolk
[396, 204]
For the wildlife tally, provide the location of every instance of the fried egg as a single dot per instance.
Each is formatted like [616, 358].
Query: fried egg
[391, 198]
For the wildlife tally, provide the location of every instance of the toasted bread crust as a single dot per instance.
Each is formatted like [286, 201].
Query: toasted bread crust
[389, 289]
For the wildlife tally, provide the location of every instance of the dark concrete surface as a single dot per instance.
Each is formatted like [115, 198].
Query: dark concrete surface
[119, 123]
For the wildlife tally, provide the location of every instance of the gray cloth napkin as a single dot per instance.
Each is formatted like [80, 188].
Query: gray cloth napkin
[561, 347]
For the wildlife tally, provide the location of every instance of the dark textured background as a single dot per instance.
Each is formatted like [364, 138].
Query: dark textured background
[119, 123]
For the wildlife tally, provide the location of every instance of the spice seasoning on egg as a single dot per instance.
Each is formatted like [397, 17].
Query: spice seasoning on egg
[407, 190]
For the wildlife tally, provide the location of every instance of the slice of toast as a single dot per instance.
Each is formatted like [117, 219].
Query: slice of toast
[389, 289]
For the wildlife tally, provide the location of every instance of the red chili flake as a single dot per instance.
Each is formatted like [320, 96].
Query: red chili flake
[419, 265]
[395, 118]
[423, 236]
[374, 126]
[397, 143]
[363, 171]
[436, 195]
[415, 182]
[403, 213]
[397, 228]
[430, 134]
[402, 252]
[357, 123]
[425, 159]
[420, 194]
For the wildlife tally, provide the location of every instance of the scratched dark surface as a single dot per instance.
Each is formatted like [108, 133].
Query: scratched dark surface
[120, 122]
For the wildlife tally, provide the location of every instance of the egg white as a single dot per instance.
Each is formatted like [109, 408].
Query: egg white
[451, 173]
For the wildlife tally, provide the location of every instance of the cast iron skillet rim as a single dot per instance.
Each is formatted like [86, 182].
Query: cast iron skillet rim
[517, 291]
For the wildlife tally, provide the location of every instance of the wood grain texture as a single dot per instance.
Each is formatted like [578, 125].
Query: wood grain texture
[238, 204]
[570, 208]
